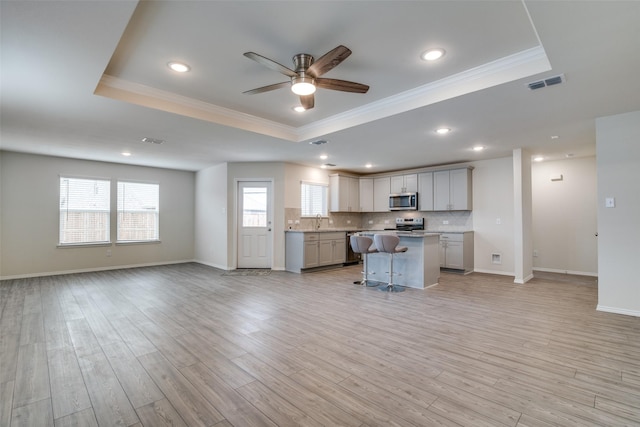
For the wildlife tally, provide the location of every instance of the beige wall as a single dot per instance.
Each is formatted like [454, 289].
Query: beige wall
[211, 217]
[618, 162]
[30, 214]
[493, 204]
[565, 216]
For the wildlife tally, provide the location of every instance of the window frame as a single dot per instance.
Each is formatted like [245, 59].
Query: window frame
[325, 201]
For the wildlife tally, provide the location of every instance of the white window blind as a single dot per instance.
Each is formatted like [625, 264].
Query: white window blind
[84, 210]
[138, 212]
[313, 199]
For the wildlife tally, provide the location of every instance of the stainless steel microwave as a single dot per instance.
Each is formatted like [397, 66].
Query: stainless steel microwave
[403, 202]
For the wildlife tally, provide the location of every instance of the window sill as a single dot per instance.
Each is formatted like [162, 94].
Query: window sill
[137, 242]
[82, 245]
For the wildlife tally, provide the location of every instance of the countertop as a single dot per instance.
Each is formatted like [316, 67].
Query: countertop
[346, 230]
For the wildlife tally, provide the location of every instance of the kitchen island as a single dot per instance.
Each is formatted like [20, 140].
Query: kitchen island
[419, 267]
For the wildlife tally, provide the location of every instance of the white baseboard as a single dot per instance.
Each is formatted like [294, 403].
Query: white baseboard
[501, 273]
[227, 268]
[210, 264]
[577, 273]
[617, 310]
[523, 281]
[91, 270]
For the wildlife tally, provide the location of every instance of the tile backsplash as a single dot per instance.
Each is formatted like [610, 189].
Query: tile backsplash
[434, 221]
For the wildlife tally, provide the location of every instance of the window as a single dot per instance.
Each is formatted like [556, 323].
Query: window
[254, 207]
[313, 199]
[138, 212]
[84, 211]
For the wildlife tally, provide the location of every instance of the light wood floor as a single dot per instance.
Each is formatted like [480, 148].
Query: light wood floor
[183, 345]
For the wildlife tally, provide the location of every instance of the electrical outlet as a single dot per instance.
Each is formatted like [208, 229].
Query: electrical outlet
[290, 221]
[445, 222]
[330, 221]
[108, 252]
[386, 221]
[609, 202]
[348, 221]
[370, 221]
[498, 221]
[297, 221]
[535, 252]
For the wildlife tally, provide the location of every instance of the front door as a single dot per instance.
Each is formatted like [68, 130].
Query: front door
[254, 224]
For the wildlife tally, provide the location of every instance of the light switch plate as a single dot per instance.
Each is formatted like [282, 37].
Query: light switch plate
[609, 202]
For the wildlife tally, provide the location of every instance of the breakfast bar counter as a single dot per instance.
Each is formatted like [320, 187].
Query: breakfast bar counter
[419, 267]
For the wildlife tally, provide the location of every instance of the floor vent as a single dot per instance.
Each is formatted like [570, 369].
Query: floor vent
[551, 81]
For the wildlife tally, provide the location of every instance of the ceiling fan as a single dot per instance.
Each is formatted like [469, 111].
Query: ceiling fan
[306, 76]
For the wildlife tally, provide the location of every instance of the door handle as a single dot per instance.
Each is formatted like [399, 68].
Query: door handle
[268, 229]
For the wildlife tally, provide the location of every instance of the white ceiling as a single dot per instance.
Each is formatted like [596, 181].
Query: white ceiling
[89, 80]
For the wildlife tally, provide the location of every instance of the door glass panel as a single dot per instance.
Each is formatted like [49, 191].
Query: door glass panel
[254, 207]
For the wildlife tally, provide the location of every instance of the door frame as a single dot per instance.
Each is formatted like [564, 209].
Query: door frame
[236, 213]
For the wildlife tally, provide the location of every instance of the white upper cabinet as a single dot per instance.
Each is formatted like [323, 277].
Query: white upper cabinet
[381, 190]
[366, 194]
[404, 183]
[345, 193]
[425, 191]
[452, 190]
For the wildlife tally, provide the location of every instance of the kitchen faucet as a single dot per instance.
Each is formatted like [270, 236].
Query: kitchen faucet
[318, 220]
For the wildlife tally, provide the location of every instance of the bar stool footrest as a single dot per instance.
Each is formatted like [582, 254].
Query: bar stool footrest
[391, 288]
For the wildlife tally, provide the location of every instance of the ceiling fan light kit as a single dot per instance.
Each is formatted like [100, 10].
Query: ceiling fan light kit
[306, 77]
[303, 86]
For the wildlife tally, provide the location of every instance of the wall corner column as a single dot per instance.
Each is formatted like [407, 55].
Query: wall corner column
[522, 216]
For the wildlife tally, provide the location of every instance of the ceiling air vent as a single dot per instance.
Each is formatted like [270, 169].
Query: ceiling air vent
[152, 141]
[546, 82]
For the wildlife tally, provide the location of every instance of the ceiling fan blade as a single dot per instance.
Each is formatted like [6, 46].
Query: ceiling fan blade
[342, 85]
[267, 88]
[307, 101]
[328, 61]
[271, 64]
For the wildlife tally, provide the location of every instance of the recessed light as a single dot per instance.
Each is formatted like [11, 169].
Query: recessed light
[443, 131]
[554, 137]
[299, 109]
[126, 153]
[478, 148]
[538, 159]
[178, 67]
[323, 166]
[368, 165]
[323, 156]
[432, 54]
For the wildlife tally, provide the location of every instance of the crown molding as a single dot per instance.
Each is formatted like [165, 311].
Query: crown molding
[513, 67]
[123, 90]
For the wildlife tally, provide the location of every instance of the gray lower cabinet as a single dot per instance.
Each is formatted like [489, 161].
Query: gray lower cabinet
[456, 251]
[305, 250]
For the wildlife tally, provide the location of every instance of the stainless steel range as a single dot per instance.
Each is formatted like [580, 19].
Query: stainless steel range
[408, 224]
